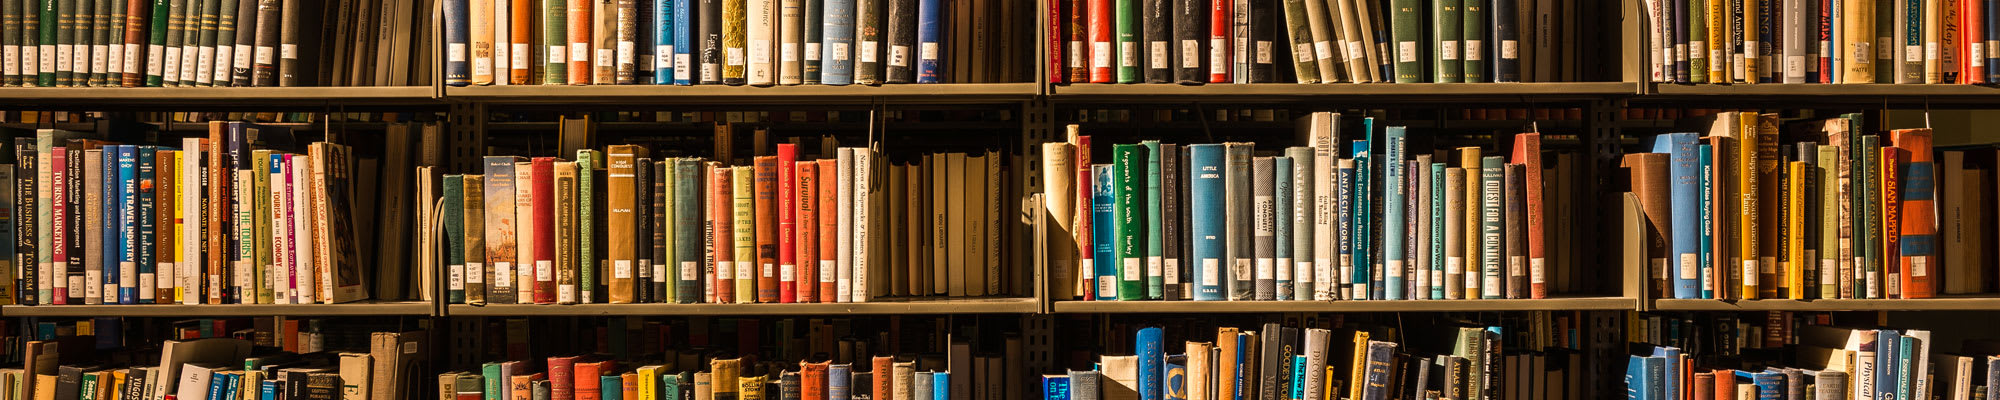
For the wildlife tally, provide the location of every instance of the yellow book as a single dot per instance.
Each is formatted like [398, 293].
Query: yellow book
[752, 387]
[1753, 65]
[1359, 365]
[1795, 231]
[1469, 160]
[1718, 38]
[649, 382]
[1746, 212]
[745, 234]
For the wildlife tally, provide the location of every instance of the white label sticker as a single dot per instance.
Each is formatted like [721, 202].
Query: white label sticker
[683, 66]
[1302, 52]
[1688, 266]
[1749, 270]
[456, 281]
[746, 270]
[627, 52]
[605, 57]
[690, 270]
[1535, 270]
[1264, 52]
[1919, 266]
[1130, 269]
[1698, 53]
[1172, 270]
[899, 56]
[1510, 49]
[518, 58]
[1768, 264]
[1977, 54]
[1100, 54]
[1930, 51]
[1128, 54]
[789, 52]
[545, 270]
[1355, 50]
[1153, 266]
[503, 274]
[788, 273]
[579, 52]
[1448, 50]
[621, 269]
[760, 51]
[475, 273]
[929, 51]
[812, 51]
[1218, 51]
[1322, 50]
[1107, 289]
[1475, 50]
[1189, 51]
[868, 51]
[1157, 55]
[1210, 276]
[1075, 53]
[840, 52]
[558, 54]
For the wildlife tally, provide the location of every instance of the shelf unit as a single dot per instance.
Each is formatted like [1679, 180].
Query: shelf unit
[1983, 303]
[1482, 305]
[1013, 305]
[367, 308]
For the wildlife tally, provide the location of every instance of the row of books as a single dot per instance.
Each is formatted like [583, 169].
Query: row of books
[131, 43]
[731, 378]
[1319, 41]
[1818, 360]
[734, 42]
[1282, 361]
[1214, 222]
[1739, 215]
[243, 215]
[1846, 41]
[617, 226]
[276, 358]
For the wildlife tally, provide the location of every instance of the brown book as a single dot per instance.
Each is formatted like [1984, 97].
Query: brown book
[219, 189]
[829, 230]
[1225, 342]
[166, 179]
[1515, 176]
[885, 377]
[621, 217]
[1649, 184]
[766, 186]
[1770, 195]
[1721, 188]
[475, 239]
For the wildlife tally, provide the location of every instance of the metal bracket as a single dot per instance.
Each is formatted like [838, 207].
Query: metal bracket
[467, 121]
[1602, 136]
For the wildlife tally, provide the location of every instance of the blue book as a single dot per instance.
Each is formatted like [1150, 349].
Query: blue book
[1393, 208]
[1243, 362]
[683, 28]
[838, 377]
[1361, 238]
[108, 336]
[1152, 354]
[1298, 386]
[233, 388]
[1282, 225]
[1705, 257]
[930, 50]
[1344, 186]
[1055, 387]
[664, 17]
[144, 283]
[1992, 74]
[837, 58]
[1645, 382]
[1205, 163]
[1175, 385]
[1886, 354]
[267, 389]
[612, 387]
[217, 383]
[458, 42]
[1683, 164]
[1672, 357]
[126, 277]
[1437, 230]
[1905, 370]
[1103, 228]
[1770, 385]
[1992, 363]
[922, 383]
[941, 385]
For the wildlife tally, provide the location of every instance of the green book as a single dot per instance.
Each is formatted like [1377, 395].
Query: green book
[260, 160]
[1125, 32]
[89, 384]
[1493, 228]
[1156, 279]
[1871, 223]
[10, 36]
[156, 37]
[31, 42]
[81, 34]
[169, 67]
[225, 42]
[1406, 26]
[588, 204]
[50, 31]
[670, 386]
[114, 66]
[204, 46]
[1448, 27]
[453, 211]
[65, 42]
[1472, 47]
[494, 384]
[1128, 194]
[1697, 16]
[1298, 29]
[100, 40]
[555, 38]
[743, 219]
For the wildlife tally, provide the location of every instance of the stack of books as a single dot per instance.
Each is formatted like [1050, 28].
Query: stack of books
[219, 360]
[1385, 222]
[1322, 41]
[203, 43]
[618, 226]
[734, 42]
[1828, 211]
[1848, 41]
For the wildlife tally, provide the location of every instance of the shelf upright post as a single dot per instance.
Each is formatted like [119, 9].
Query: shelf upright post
[467, 121]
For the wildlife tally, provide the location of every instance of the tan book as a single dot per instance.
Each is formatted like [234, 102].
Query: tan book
[958, 240]
[475, 242]
[355, 371]
[620, 217]
[975, 219]
[524, 232]
[995, 179]
[1225, 343]
[565, 229]
[482, 42]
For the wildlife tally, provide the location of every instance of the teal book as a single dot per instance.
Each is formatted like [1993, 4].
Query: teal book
[1281, 188]
[1394, 212]
[687, 230]
[494, 384]
[1447, 27]
[1303, 222]
[1156, 279]
[1472, 45]
[1437, 231]
[1492, 227]
[1128, 219]
[454, 237]
[610, 387]
[1705, 257]
[588, 204]
[1104, 230]
[1361, 239]
[1906, 358]
[1207, 227]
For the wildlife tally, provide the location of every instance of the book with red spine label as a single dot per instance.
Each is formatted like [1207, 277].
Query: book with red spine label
[805, 247]
[1918, 231]
[766, 185]
[1100, 41]
[1085, 262]
[787, 208]
[542, 191]
[1528, 152]
[829, 232]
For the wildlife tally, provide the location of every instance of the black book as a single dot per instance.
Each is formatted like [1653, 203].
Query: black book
[660, 228]
[642, 225]
[245, 43]
[1423, 379]
[1272, 356]
[1506, 64]
[263, 65]
[1263, 41]
[810, 47]
[709, 47]
[1190, 41]
[74, 237]
[1170, 249]
[868, 42]
[135, 383]
[902, 39]
[69, 381]
[1454, 374]
[1490, 371]
[290, 70]
[24, 234]
[1155, 19]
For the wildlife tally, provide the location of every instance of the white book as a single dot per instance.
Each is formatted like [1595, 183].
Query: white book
[176, 356]
[190, 221]
[760, 37]
[791, 35]
[955, 240]
[281, 233]
[974, 216]
[864, 210]
[524, 231]
[194, 380]
[502, 41]
[844, 242]
[1922, 385]
[302, 232]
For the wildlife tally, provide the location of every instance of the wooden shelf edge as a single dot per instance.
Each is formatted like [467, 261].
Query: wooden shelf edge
[1369, 92]
[945, 93]
[1481, 305]
[402, 308]
[1010, 305]
[1934, 304]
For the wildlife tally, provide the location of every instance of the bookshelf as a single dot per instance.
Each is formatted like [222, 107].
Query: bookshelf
[1369, 306]
[218, 97]
[1421, 93]
[1015, 305]
[365, 308]
[1943, 303]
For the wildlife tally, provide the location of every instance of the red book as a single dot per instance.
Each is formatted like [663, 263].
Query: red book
[1079, 51]
[1055, 45]
[788, 278]
[543, 196]
[884, 370]
[829, 229]
[580, 45]
[766, 173]
[1100, 41]
[220, 213]
[812, 380]
[1919, 204]
[588, 385]
[721, 202]
[1972, 67]
[806, 246]
[59, 222]
[1528, 151]
[562, 378]
[1892, 270]
[1824, 26]
[1220, 30]
[1083, 249]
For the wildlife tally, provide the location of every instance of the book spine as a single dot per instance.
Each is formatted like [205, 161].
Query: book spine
[1103, 231]
[1172, 233]
[1361, 247]
[1221, 31]
[454, 227]
[1473, 44]
[839, 43]
[1447, 32]
[1156, 17]
[1493, 226]
[1206, 163]
[664, 33]
[807, 250]
[735, 32]
[742, 235]
[501, 225]
[555, 41]
[1299, 33]
[1517, 231]
[626, 55]
[241, 56]
[902, 42]
[868, 42]
[1189, 25]
[786, 209]
[687, 226]
[829, 230]
[1506, 34]
[475, 241]
[579, 21]
[1241, 214]
[546, 231]
[621, 215]
[687, 39]
[588, 202]
[1126, 40]
[930, 63]
[1918, 228]
[1397, 193]
[1406, 25]
[721, 284]
[1281, 218]
[1128, 218]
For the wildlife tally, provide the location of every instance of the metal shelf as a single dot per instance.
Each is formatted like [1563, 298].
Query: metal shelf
[1935, 304]
[1361, 93]
[212, 97]
[953, 93]
[1169, 307]
[409, 308]
[1011, 305]
[1794, 95]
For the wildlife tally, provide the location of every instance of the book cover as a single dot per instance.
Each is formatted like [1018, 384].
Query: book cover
[1303, 228]
[1151, 357]
[1684, 203]
[1474, 51]
[544, 195]
[902, 44]
[621, 215]
[688, 216]
[1918, 227]
[1240, 213]
[1129, 199]
[1221, 41]
[838, 46]
[1104, 231]
[742, 237]
[1263, 222]
[1492, 228]
[1206, 188]
[1299, 35]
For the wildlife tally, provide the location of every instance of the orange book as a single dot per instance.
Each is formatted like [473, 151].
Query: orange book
[588, 385]
[722, 277]
[884, 367]
[1528, 151]
[766, 185]
[580, 21]
[518, 34]
[629, 385]
[1892, 219]
[829, 231]
[523, 386]
[1918, 231]
[807, 245]
[812, 380]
